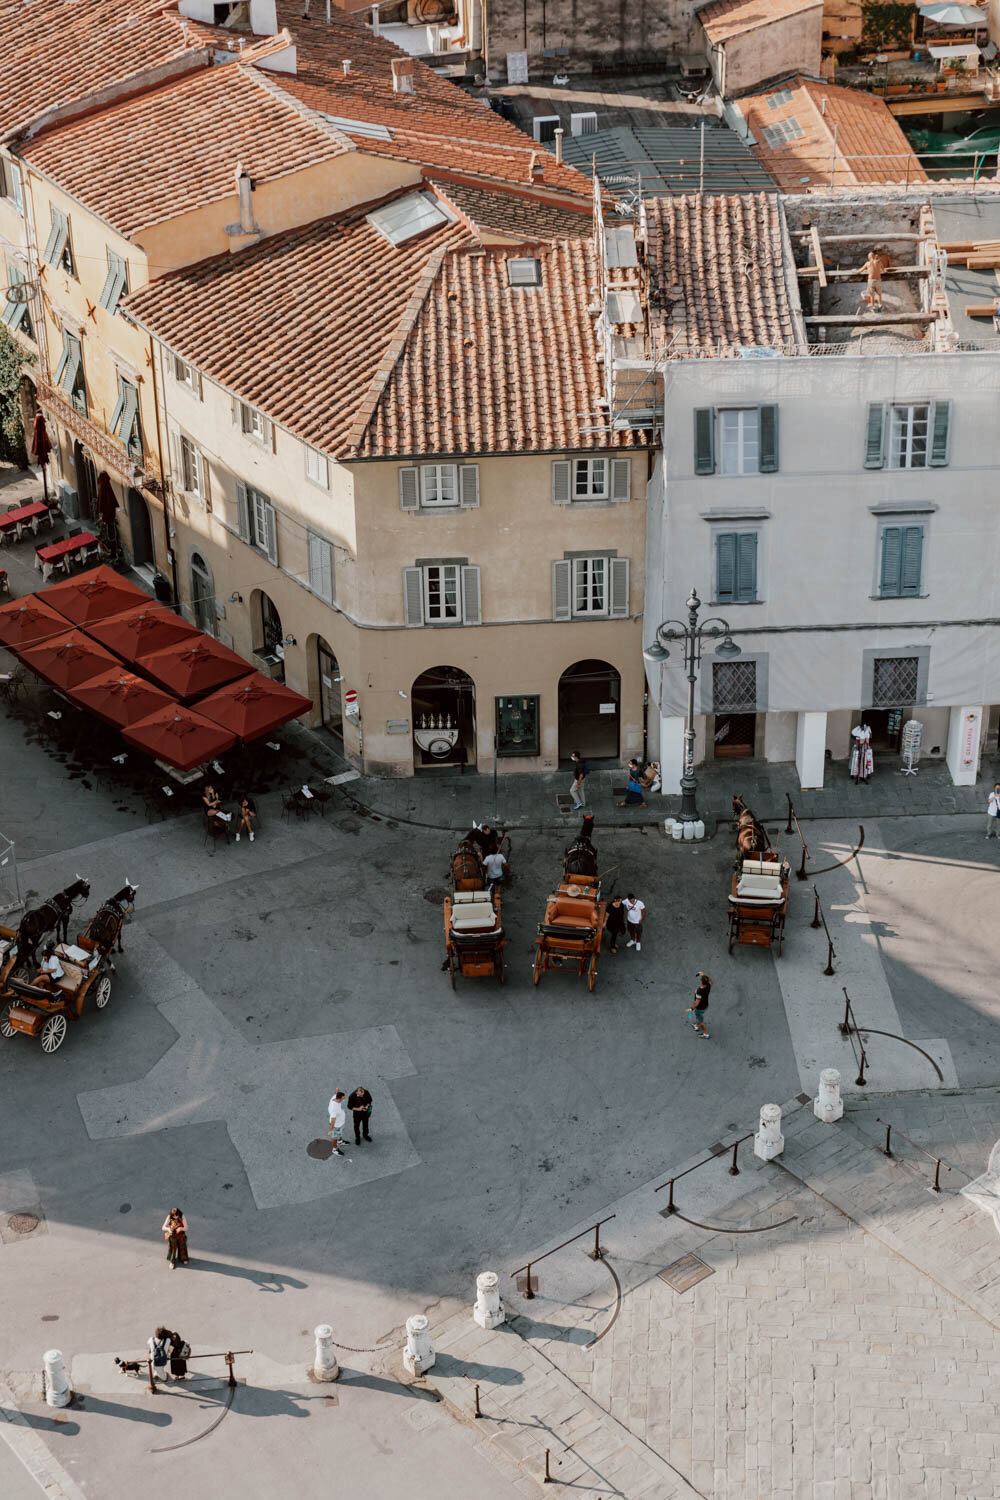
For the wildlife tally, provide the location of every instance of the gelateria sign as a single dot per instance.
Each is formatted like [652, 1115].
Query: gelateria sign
[969, 748]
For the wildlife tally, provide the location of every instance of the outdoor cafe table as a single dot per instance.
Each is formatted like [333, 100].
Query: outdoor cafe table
[14, 520]
[47, 557]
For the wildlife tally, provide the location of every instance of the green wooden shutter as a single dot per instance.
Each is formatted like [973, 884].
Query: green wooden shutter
[114, 282]
[561, 482]
[940, 433]
[913, 546]
[58, 234]
[768, 437]
[562, 590]
[746, 567]
[119, 411]
[875, 436]
[704, 440]
[890, 581]
[725, 567]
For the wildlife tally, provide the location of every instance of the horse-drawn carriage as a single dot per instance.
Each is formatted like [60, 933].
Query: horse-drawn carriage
[43, 1005]
[758, 897]
[473, 930]
[570, 935]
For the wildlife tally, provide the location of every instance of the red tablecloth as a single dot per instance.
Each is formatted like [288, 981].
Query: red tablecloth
[11, 518]
[68, 544]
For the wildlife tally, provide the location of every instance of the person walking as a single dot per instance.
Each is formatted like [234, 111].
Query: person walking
[696, 1015]
[158, 1345]
[360, 1105]
[614, 922]
[576, 790]
[495, 864]
[993, 812]
[338, 1119]
[635, 912]
[175, 1232]
[634, 793]
[179, 1352]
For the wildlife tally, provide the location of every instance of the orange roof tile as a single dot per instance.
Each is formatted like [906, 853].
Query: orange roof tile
[298, 324]
[57, 52]
[161, 153]
[727, 18]
[870, 145]
[490, 368]
[513, 214]
[716, 271]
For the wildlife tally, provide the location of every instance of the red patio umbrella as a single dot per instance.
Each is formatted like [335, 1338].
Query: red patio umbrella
[25, 622]
[94, 595]
[192, 668]
[254, 706]
[179, 736]
[67, 660]
[139, 632]
[119, 697]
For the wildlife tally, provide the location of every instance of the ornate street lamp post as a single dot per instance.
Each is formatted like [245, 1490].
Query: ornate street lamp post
[692, 634]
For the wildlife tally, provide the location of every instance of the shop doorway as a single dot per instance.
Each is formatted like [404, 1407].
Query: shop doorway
[443, 705]
[734, 735]
[141, 528]
[269, 636]
[590, 710]
[331, 711]
[202, 594]
[886, 725]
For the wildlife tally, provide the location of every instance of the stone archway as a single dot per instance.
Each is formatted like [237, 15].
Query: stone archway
[590, 710]
[203, 594]
[443, 706]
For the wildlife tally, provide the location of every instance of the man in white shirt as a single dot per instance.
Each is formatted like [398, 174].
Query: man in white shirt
[993, 812]
[494, 865]
[635, 912]
[338, 1119]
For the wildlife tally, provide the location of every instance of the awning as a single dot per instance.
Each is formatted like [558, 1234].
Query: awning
[68, 660]
[254, 707]
[25, 622]
[94, 595]
[140, 632]
[951, 13]
[965, 50]
[192, 668]
[180, 737]
[120, 698]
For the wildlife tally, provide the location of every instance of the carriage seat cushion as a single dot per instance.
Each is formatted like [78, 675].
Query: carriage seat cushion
[5, 946]
[760, 867]
[476, 916]
[760, 885]
[570, 911]
[72, 978]
[72, 952]
[466, 896]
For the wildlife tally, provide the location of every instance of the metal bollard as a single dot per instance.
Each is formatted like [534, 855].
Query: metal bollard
[488, 1311]
[418, 1356]
[828, 1105]
[57, 1391]
[769, 1141]
[325, 1366]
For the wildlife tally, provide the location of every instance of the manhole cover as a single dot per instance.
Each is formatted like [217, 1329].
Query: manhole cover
[22, 1223]
[319, 1149]
[436, 895]
[685, 1273]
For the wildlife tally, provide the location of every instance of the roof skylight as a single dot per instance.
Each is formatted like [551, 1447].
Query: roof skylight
[785, 130]
[783, 96]
[359, 127]
[405, 217]
[524, 270]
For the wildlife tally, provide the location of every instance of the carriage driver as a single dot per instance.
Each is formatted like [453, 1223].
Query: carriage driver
[52, 969]
[486, 839]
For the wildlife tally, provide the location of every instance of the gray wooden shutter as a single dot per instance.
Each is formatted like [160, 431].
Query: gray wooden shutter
[562, 590]
[472, 608]
[413, 596]
[196, 382]
[270, 533]
[242, 511]
[913, 546]
[619, 587]
[621, 478]
[725, 567]
[875, 436]
[177, 460]
[269, 435]
[940, 433]
[236, 411]
[746, 567]
[767, 417]
[204, 481]
[892, 552]
[409, 488]
[468, 486]
[704, 440]
[320, 566]
[561, 494]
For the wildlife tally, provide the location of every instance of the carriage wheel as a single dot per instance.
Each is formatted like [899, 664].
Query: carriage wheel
[6, 1029]
[102, 994]
[501, 971]
[53, 1033]
[538, 967]
[592, 978]
[451, 968]
[732, 934]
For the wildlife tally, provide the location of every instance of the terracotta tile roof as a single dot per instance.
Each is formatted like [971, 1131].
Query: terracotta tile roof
[727, 18]
[865, 128]
[487, 368]
[438, 125]
[513, 214]
[300, 323]
[56, 52]
[161, 153]
[716, 271]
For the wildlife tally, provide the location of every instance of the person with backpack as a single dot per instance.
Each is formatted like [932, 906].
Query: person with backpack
[158, 1347]
[180, 1349]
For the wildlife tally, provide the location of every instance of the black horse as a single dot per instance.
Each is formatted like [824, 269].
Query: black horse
[580, 859]
[52, 916]
[104, 930]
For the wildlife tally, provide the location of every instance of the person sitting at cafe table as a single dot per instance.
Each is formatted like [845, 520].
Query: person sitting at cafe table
[211, 802]
[247, 817]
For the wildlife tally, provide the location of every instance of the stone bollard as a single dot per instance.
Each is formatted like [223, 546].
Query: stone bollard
[57, 1391]
[418, 1356]
[828, 1105]
[488, 1311]
[769, 1141]
[325, 1366]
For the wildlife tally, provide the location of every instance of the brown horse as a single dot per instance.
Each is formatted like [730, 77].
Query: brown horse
[467, 872]
[751, 836]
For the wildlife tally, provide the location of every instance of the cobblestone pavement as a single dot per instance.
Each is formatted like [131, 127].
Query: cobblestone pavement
[850, 1354]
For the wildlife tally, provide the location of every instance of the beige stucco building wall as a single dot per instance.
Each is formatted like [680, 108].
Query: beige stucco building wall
[772, 50]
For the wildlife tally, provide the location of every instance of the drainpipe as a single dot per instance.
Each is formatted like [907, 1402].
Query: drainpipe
[165, 482]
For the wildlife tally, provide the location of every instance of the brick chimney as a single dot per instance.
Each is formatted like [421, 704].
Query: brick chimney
[402, 75]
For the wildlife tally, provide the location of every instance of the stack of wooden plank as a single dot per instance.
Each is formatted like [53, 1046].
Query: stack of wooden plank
[977, 255]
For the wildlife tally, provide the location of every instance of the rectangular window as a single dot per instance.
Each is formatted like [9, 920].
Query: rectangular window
[69, 372]
[125, 419]
[901, 562]
[254, 423]
[58, 248]
[16, 314]
[183, 373]
[439, 484]
[445, 593]
[191, 468]
[320, 566]
[441, 593]
[590, 479]
[908, 431]
[317, 468]
[115, 283]
[740, 433]
[736, 567]
[895, 681]
[734, 687]
[10, 183]
[590, 585]
[746, 441]
[262, 526]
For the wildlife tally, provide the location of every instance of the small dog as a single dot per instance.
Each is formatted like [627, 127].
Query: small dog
[129, 1366]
